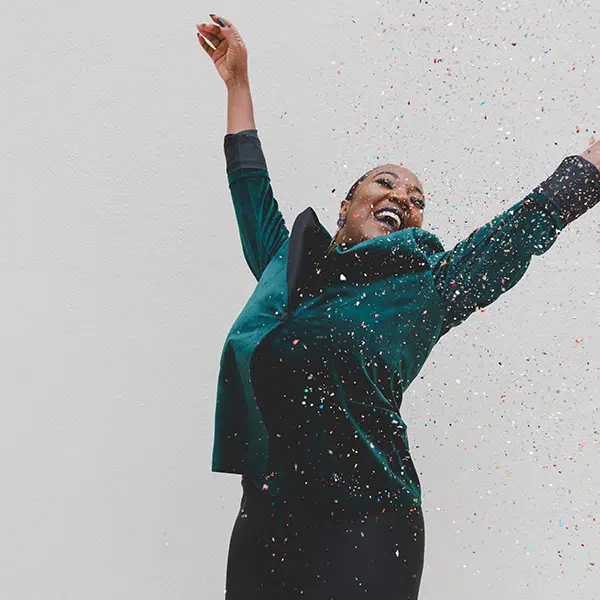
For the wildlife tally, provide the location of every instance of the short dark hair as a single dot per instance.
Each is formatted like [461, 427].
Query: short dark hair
[350, 193]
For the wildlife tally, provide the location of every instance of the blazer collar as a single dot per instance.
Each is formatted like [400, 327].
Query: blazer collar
[403, 251]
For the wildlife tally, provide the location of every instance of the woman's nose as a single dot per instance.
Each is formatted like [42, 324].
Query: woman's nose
[404, 203]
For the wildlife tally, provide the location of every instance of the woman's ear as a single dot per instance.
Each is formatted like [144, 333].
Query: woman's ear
[344, 208]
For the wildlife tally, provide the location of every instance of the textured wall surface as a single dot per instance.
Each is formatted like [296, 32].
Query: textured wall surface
[123, 271]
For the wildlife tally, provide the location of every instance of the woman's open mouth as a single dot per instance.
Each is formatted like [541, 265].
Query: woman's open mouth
[390, 217]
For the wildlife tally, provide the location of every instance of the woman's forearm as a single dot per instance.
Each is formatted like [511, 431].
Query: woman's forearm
[240, 113]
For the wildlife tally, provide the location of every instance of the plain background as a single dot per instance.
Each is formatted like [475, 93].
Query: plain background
[122, 272]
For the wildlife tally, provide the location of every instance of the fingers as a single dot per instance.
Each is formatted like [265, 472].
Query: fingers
[216, 34]
[229, 32]
[205, 45]
[211, 28]
[214, 37]
[221, 20]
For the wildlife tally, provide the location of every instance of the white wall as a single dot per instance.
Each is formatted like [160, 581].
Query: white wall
[123, 271]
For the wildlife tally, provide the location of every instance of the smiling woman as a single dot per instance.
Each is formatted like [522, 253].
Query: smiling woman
[377, 205]
[314, 368]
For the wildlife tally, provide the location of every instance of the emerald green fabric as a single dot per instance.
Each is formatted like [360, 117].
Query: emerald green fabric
[314, 368]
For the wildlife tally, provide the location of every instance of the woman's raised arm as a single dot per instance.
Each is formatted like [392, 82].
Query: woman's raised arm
[495, 256]
[260, 222]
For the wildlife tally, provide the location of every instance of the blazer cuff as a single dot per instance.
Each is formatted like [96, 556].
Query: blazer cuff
[573, 188]
[243, 150]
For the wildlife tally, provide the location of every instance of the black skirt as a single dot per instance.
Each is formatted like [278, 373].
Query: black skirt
[281, 550]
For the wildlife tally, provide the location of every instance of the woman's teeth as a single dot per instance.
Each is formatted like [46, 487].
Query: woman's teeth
[389, 215]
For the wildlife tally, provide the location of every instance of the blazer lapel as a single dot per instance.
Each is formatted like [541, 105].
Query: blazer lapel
[308, 243]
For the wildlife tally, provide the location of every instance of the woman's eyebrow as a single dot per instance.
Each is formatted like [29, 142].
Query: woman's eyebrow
[416, 188]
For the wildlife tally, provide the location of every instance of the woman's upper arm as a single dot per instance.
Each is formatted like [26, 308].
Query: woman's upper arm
[260, 223]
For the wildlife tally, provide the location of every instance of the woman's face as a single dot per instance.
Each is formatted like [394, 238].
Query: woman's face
[388, 187]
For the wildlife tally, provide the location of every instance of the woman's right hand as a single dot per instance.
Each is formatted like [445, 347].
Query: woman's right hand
[229, 56]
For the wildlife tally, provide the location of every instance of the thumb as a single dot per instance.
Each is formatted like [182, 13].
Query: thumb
[229, 31]
[230, 34]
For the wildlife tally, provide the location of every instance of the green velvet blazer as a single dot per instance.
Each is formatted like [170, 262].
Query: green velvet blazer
[367, 316]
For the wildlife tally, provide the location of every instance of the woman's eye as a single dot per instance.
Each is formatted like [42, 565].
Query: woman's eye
[385, 182]
[417, 201]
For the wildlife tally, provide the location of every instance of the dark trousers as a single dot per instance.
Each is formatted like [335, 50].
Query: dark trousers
[284, 552]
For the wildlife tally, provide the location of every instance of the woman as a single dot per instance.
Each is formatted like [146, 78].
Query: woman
[314, 368]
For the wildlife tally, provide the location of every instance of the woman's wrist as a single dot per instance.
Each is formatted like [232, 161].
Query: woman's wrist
[238, 82]
[592, 154]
